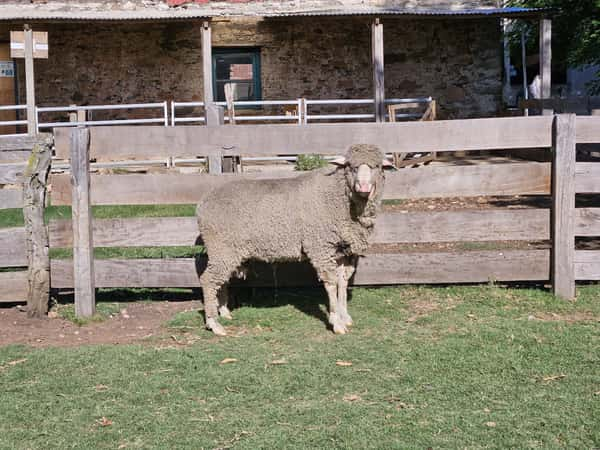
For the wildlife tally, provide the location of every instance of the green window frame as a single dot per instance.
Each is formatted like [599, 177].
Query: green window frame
[223, 58]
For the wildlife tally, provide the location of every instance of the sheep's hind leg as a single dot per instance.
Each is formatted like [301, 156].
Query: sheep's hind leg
[223, 296]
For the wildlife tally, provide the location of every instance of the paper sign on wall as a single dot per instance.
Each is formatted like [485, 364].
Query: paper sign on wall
[7, 69]
[17, 44]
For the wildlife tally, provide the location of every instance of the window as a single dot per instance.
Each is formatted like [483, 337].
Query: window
[239, 66]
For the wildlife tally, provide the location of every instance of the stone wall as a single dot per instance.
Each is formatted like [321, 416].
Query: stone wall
[458, 62]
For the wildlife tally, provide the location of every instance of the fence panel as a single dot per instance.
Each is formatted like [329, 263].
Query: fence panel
[527, 178]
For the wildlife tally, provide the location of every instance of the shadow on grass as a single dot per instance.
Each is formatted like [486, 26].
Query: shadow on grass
[65, 296]
[311, 301]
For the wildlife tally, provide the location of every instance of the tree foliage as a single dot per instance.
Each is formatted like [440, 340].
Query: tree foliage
[575, 32]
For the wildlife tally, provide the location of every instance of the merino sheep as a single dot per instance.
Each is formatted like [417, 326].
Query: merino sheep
[325, 216]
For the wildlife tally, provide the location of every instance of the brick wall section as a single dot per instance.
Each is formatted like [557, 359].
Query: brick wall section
[457, 62]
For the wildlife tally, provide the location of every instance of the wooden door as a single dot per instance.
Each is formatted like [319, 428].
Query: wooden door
[7, 87]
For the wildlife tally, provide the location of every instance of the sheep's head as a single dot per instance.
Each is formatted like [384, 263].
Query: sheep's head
[364, 166]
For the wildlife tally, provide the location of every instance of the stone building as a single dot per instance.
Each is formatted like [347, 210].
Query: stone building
[109, 52]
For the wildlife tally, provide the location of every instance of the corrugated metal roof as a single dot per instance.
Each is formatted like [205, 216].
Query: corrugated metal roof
[486, 12]
[64, 12]
[19, 14]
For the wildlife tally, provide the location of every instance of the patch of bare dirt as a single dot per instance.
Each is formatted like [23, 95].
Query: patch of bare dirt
[143, 321]
[423, 306]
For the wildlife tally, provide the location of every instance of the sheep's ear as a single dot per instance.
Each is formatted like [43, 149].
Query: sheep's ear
[386, 164]
[341, 161]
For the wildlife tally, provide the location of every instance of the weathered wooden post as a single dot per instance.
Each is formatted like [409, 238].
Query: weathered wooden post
[34, 197]
[546, 61]
[83, 248]
[207, 63]
[215, 117]
[563, 207]
[378, 69]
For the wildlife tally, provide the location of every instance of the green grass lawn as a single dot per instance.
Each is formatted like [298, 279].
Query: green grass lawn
[456, 367]
[14, 218]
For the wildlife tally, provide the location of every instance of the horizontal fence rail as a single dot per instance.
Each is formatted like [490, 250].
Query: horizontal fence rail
[391, 227]
[115, 143]
[14, 287]
[373, 269]
[450, 181]
[11, 123]
[170, 112]
[161, 107]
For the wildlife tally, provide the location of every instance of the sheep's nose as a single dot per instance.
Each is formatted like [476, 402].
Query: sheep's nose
[363, 187]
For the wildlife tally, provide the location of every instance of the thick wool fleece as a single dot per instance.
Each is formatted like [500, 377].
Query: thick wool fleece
[315, 215]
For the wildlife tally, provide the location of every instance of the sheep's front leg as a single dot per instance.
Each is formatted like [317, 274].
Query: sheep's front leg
[223, 296]
[211, 311]
[344, 273]
[334, 317]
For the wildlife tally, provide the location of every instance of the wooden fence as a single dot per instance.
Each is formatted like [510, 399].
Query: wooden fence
[562, 179]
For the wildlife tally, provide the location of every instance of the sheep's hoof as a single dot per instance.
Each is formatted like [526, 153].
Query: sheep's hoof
[225, 313]
[346, 320]
[215, 327]
[339, 329]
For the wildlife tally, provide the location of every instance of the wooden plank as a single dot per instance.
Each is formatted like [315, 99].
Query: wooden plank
[150, 189]
[563, 211]
[179, 272]
[13, 252]
[207, 77]
[588, 130]
[11, 143]
[391, 227]
[471, 226]
[465, 267]
[529, 178]
[83, 247]
[587, 178]
[13, 287]
[133, 232]
[587, 222]
[11, 198]
[587, 265]
[14, 156]
[11, 173]
[378, 69]
[424, 182]
[545, 45]
[128, 142]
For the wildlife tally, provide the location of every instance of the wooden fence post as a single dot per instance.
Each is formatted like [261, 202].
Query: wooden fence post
[34, 196]
[83, 248]
[215, 117]
[563, 207]
[377, 54]
[30, 82]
